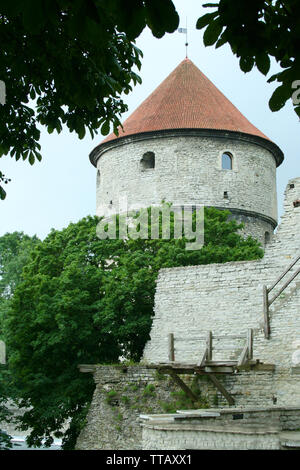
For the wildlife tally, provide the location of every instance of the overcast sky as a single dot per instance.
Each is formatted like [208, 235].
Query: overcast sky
[61, 189]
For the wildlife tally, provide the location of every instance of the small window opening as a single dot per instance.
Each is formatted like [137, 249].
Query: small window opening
[267, 237]
[292, 186]
[225, 194]
[227, 161]
[148, 161]
[98, 179]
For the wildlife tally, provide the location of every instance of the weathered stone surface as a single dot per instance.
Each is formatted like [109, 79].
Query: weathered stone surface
[227, 299]
[122, 393]
[188, 171]
[255, 429]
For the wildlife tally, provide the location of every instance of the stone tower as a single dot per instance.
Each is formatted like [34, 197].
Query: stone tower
[189, 145]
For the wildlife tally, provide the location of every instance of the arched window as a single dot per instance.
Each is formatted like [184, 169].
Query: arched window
[227, 161]
[98, 179]
[267, 237]
[148, 161]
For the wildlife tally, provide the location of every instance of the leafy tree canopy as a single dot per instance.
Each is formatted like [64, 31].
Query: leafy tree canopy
[66, 62]
[86, 300]
[14, 254]
[5, 439]
[256, 31]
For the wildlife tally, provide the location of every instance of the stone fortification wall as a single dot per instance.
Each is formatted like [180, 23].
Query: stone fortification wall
[227, 299]
[122, 393]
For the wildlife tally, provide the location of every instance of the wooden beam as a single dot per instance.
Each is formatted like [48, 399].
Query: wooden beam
[219, 369]
[221, 389]
[171, 347]
[183, 386]
[221, 363]
[214, 366]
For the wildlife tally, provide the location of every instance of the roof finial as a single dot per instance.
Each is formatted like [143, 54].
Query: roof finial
[185, 31]
[186, 39]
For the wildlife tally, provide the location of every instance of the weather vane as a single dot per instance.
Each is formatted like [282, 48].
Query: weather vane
[185, 31]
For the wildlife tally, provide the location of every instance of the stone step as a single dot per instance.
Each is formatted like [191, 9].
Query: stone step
[290, 439]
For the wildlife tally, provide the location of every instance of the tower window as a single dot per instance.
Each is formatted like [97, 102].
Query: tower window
[148, 161]
[98, 179]
[267, 237]
[227, 161]
[225, 194]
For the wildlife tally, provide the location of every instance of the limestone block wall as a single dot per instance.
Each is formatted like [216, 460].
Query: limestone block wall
[121, 394]
[227, 299]
[112, 420]
[188, 170]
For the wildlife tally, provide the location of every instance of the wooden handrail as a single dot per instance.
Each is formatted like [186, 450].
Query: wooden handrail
[284, 287]
[206, 358]
[266, 291]
[284, 273]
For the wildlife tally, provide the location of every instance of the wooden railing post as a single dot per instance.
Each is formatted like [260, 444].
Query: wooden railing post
[209, 346]
[250, 343]
[207, 356]
[266, 312]
[171, 347]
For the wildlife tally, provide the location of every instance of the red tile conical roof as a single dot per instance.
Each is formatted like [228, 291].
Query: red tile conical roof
[186, 99]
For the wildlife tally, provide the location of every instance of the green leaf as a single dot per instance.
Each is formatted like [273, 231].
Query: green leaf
[263, 63]
[161, 17]
[32, 93]
[131, 20]
[279, 97]
[221, 41]
[81, 132]
[286, 63]
[205, 19]
[105, 128]
[212, 33]
[24, 155]
[2, 193]
[273, 78]
[31, 158]
[246, 64]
